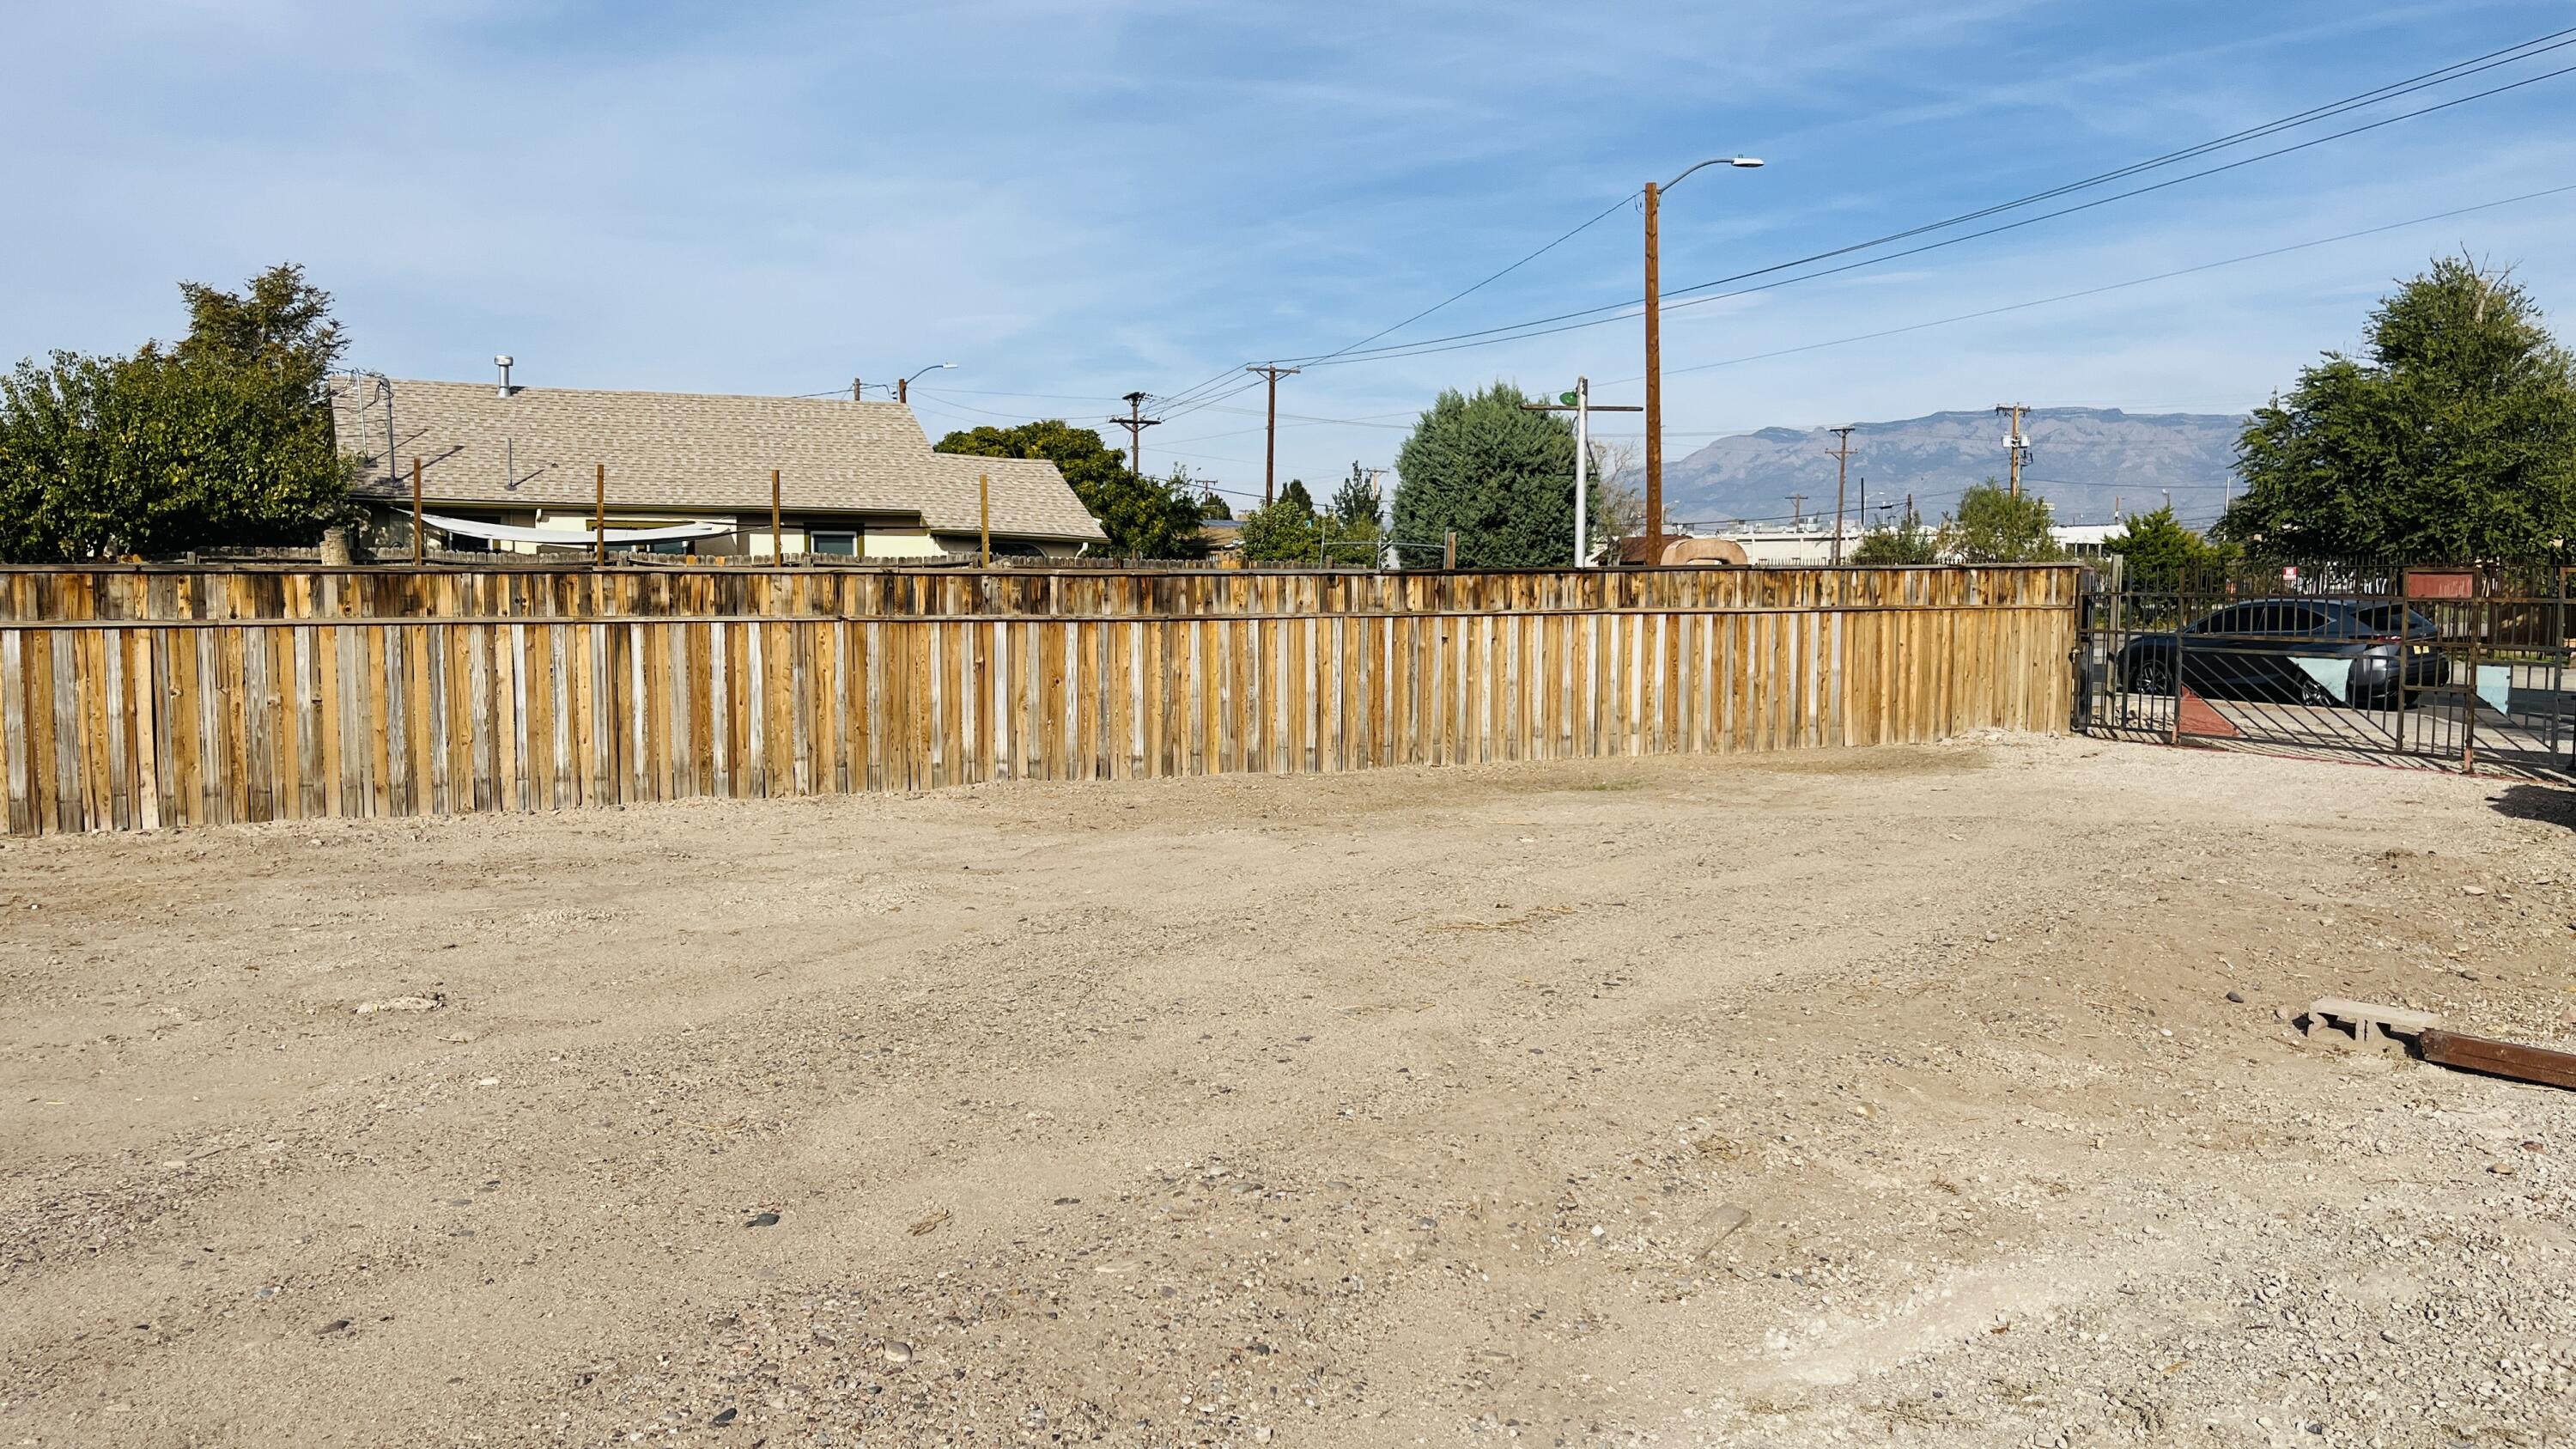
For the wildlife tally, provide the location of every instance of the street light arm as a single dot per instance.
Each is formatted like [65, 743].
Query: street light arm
[934, 367]
[1743, 162]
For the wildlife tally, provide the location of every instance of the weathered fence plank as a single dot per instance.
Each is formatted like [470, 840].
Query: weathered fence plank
[135, 700]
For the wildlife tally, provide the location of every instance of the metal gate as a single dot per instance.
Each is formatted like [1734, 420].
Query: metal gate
[2465, 667]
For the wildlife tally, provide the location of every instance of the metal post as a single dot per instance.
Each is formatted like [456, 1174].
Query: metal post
[2182, 612]
[2469, 731]
[415, 513]
[1654, 387]
[599, 521]
[777, 538]
[1842, 476]
[1582, 466]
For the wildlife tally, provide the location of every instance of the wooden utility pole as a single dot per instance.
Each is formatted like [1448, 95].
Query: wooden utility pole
[1270, 454]
[1135, 423]
[903, 390]
[855, 395]
[1655, 350]
[1842, 476]
[599, 521]
[2016, 448]
[415, 513]
[1797, 509]
[984, 525]
[1654, 385]
[777, 539]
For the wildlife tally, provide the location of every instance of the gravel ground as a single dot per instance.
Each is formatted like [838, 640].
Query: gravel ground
[1927, 1096]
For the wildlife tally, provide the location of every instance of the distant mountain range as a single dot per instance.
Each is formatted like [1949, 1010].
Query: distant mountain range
[2084, 461]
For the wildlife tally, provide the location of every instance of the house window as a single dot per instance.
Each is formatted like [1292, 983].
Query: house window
[688, 546]
[845, 545]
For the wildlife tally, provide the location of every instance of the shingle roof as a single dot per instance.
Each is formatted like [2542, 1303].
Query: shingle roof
[537, 448]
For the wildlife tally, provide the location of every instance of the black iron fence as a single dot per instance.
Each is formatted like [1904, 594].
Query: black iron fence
[2466, 667]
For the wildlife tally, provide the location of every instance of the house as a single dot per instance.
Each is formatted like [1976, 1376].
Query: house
[520, 469]
[1813, 543]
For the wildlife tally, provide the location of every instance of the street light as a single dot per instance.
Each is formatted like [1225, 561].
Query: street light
[903, 389]
[1655, 356]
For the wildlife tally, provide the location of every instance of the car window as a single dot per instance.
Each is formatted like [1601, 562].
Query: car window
[2297, 619]
[2230, 620]
[2397, 619]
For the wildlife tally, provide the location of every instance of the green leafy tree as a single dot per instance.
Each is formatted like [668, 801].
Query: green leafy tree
[1293, 531]
[1991, 526]
[223, 439]
[1144, 517]
[1077, 453]
[2159, 554]
[1284, 531]
[2453, 437]
[1906, 541]
[1501, 477]
[1211, 506]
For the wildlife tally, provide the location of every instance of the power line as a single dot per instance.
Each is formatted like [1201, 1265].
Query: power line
[1496, 277]
[1081, 397]
[1199, 395]
[1185, 395]
[1136, 423]
[2117, 286]
[1270, 454]
[2451, 72]
[1540, 327]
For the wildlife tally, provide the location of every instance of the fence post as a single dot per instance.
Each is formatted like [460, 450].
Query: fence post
[2469, 710]
[599, 521]
[1449, 551]
[777, 540]
[984, 521]
[415, 513]
[2182, 613]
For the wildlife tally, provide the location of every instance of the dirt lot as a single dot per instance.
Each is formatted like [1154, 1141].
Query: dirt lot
[1877, 1097]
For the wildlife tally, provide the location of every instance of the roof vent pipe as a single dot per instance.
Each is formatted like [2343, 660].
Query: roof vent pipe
[502, 361]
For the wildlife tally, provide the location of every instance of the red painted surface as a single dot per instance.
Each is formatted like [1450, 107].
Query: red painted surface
[2198, 718]
[2441, 584]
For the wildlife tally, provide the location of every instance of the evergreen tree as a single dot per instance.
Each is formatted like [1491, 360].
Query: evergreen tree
[1356, 500]
[2453, 437]
[1502, 478]
[1293, 531]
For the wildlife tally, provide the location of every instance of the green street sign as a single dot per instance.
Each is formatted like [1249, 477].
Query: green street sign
[1566, 398]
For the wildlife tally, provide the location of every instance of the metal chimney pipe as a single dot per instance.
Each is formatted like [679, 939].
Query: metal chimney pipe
[502, 361]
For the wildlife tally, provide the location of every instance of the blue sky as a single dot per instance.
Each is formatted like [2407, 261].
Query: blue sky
[1072, 200]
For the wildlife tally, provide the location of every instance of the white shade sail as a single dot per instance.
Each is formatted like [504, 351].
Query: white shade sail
[513, 533]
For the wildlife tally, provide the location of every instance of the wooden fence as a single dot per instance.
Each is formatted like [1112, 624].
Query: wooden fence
[138, 699]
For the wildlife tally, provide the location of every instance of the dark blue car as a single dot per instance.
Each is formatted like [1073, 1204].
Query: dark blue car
[2294, 651]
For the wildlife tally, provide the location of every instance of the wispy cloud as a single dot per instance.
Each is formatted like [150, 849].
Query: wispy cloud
[1079, 197]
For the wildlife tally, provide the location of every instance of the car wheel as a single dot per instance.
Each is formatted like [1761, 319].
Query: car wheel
[2151, 676]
